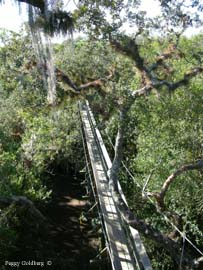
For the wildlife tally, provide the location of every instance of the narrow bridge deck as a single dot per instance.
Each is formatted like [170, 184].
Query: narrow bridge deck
[120, 251]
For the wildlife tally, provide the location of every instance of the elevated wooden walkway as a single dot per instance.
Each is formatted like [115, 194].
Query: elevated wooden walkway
[124, 244]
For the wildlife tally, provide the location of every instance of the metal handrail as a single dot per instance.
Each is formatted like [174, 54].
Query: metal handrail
[92, 185]
[106, 162]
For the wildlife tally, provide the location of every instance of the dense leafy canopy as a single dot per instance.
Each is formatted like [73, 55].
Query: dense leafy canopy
[153, 76]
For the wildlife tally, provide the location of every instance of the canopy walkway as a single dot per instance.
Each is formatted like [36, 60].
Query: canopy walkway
[125, 248]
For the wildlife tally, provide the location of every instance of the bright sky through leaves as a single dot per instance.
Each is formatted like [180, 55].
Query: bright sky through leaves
[11, 19]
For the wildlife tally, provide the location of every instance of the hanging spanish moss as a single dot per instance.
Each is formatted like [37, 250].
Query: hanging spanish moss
[46, 19]
[37, 41]
[42, 45]
[51, 79]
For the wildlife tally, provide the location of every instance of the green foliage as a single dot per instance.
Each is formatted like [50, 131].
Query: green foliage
[48, 135]
[86, 59]
[163, 130]
[32, 138]
[19, 228]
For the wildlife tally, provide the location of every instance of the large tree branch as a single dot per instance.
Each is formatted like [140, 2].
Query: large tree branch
[197, 166]
[129, 217]
[128, 46]
[131, 49]
[113, 173]
[61, 76]
[35, 3]
[167, 54]
[171, 86]
[160, 196]
[142, 91]
[171, 246]
[64, 78]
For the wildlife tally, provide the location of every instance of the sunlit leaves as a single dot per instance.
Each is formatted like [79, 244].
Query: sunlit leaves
[48, 136]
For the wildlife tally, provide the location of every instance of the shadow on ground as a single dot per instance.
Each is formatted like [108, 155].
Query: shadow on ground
[69, 236]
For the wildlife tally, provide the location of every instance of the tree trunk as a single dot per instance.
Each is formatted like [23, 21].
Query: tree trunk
[172, 247]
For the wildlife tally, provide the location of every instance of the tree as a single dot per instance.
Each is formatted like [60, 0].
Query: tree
[32, 137]
[154, 75]
[142, 74]
[147, 114]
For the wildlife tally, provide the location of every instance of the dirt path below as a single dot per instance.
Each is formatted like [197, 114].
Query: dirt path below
[69, 236]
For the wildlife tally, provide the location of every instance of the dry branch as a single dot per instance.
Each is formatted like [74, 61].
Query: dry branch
[172, 86]
[130, 49]
[159, 196]
[64, 78]
[61, 76]
[171, 246]
[128, 46]
[167, 54]
[142, 91]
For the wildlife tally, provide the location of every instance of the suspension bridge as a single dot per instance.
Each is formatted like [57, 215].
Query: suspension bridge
[125, 248]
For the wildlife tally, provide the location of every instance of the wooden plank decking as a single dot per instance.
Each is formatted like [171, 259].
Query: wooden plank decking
[121, 255]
